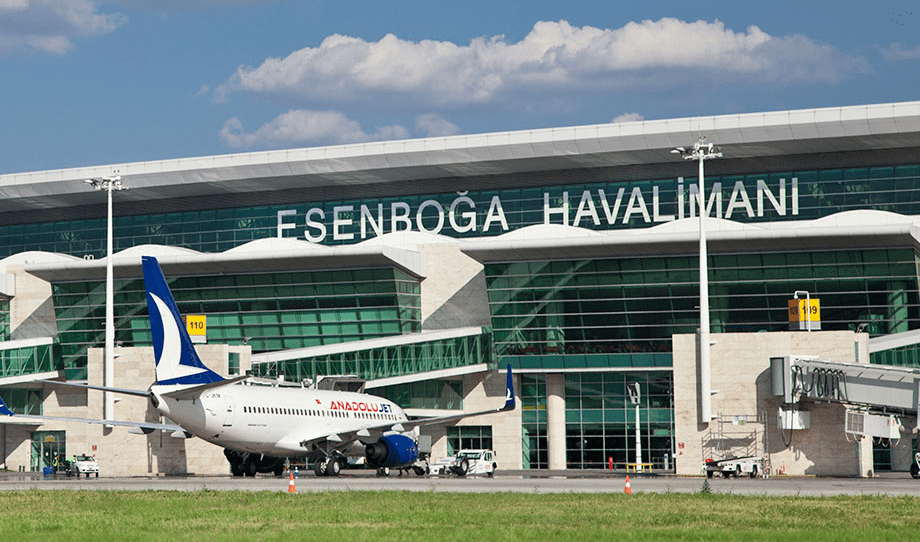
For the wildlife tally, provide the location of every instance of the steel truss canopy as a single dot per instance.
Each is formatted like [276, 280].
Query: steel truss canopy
[756, 140]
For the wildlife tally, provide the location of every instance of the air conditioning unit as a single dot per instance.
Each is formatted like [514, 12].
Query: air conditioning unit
[873, 425]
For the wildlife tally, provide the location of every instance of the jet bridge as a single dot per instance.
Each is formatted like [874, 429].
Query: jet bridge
[874, 394]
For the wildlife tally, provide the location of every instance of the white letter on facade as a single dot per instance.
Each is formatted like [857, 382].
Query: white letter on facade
[337, 223]
[418, 216]
[469, 216]
[399, 218]
[656, 216]
[495, 213]
[636, 204]
[376, 226]
[564, 210]
[317, 225]
[611, 216]
[282, 225]
[586, 208]
[779, 205]
[745, 204]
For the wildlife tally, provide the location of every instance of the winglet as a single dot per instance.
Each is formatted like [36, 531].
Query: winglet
[509, 393]
[4, 410]
[176, 359]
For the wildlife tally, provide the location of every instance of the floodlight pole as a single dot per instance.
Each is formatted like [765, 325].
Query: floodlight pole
[109, 184]
[701, 152]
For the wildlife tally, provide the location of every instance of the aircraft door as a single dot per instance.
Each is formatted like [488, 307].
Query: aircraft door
[229, 412]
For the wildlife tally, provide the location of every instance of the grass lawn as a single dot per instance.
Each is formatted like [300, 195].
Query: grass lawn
[210, 516]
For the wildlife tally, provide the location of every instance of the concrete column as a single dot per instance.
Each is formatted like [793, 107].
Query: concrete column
[555, 421]
[864, 459]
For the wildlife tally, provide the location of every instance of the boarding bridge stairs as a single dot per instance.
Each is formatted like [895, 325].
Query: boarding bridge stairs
[870, 389]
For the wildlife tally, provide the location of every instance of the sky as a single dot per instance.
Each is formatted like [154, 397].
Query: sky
[98, 82]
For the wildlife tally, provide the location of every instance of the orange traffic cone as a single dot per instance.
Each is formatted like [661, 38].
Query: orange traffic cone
[628, 489]
[291, 488]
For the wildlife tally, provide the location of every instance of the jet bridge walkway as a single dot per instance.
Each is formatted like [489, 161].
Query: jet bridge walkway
[872, 391]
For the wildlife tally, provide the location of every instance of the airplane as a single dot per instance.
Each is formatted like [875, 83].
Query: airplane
[260, 426]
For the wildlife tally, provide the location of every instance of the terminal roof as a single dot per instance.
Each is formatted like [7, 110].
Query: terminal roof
[780, 140]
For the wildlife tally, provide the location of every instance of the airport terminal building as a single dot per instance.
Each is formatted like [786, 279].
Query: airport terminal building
[427, 266]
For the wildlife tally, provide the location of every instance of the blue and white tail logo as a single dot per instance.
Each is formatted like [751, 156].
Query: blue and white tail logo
[177, 361]
[509, 392]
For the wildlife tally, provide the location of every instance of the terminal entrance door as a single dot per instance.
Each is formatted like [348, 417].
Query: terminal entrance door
[49, 449]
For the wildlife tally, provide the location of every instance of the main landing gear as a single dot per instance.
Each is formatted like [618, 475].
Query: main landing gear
[247, 464]
[329, 466]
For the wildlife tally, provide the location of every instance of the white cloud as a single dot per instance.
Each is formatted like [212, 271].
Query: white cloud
[627, 117]
[896, 51]
[50, 26]
[433, 125]
[554, 58]
[302, 127]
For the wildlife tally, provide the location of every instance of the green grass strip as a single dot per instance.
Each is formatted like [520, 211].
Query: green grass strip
[208, 516]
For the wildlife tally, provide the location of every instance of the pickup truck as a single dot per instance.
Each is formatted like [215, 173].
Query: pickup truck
[467, 462]
[83, 464]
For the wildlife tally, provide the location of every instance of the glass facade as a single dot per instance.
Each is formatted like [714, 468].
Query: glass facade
[429, 394]
[590, 313]
[387, 361]
[269, 311]
[469, 437]
[27, 360]
[4, 320]
[600, 419]
[23, 400]
[533, 421]
[584, 198]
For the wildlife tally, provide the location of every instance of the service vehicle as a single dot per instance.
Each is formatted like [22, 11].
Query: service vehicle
[752, 466]
[83, 464]
[467, 462]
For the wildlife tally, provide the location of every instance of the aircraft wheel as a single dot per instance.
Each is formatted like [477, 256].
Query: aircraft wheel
[383, 471]
[333, 467]
[319, 467]
[250, 467]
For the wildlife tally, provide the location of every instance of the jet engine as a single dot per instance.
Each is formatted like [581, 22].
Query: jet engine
[391, 451]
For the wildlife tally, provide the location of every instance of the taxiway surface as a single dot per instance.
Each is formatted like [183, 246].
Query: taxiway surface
[892, 484]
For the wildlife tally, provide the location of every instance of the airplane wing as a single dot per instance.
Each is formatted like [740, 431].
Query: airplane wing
[8, 416]
[126, 391]
[372, 433]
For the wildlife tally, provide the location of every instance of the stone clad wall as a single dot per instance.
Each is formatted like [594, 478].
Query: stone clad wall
[741, 381]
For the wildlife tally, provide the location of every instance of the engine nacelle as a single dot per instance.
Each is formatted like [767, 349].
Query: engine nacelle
[392, 451]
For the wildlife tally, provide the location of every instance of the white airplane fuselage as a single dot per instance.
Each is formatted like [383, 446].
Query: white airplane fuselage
[274, 420]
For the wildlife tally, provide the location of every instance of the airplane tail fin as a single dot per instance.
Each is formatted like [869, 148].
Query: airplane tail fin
[176, 359]
[4, 410]
[509, 393]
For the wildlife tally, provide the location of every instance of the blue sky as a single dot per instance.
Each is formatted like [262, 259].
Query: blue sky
[95, 82]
